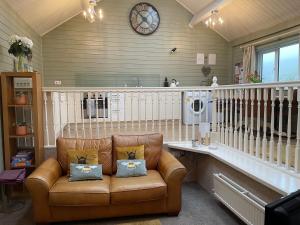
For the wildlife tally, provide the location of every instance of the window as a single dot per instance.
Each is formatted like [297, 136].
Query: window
[279, 61]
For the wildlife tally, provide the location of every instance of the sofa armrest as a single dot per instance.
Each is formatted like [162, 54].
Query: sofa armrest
[39, 183]
[173, 173]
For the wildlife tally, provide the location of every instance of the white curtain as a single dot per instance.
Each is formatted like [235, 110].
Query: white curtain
[249, 61]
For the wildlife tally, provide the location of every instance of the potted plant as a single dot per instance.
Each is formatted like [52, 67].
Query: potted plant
[21, 129]
[20, 47]
[253, 78]
[21, 98]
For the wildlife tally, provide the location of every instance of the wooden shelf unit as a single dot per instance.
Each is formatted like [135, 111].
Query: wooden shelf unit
[9, 109]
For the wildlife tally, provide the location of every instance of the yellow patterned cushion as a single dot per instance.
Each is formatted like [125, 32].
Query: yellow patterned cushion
[130, 152]
[85, 156]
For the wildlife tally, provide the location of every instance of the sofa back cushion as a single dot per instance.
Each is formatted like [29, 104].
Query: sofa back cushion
[152, 147]
[103, 145]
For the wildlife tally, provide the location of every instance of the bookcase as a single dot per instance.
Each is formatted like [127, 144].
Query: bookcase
[22, 119]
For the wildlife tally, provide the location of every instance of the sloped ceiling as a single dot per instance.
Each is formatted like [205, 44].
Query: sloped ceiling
[45, 15]
[242, 17]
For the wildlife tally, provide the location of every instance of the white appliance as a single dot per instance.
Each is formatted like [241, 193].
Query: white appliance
[197, 107]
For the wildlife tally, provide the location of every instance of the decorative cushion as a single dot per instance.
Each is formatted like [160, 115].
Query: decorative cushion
[103, 146]
[130, 152]
[131, 168]
[85, 172]
[152, 147]
[84, 156]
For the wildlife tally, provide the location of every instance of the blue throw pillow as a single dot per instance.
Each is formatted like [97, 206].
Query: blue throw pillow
[85, 172]
[131, 168]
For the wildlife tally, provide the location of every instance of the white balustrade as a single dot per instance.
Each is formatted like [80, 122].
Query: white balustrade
[257, 119]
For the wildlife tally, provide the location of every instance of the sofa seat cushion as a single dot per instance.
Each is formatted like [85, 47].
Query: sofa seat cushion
[80, 193]
[138, 189]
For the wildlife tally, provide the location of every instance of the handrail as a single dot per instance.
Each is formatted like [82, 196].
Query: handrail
[187, 88]
[126, 89]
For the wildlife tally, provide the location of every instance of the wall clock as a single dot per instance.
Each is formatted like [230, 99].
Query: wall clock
[144, 18]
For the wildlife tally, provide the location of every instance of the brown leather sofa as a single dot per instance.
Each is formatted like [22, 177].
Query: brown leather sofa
[56, 199]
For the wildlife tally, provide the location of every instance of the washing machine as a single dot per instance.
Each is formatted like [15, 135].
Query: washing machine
[197, 107]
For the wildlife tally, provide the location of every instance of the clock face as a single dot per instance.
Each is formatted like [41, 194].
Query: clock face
[144, 18]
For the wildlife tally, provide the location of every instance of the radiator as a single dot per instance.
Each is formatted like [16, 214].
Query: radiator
[245, 205]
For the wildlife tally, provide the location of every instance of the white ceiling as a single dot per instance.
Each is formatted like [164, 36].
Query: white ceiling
[242, 17]
[45, 15]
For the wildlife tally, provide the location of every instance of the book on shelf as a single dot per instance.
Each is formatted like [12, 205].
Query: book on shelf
[22, 159]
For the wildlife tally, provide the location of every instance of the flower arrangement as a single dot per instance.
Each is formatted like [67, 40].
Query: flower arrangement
[253, 78]
[20, 47]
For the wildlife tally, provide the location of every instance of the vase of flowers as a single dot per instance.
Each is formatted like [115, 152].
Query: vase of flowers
[21, 48]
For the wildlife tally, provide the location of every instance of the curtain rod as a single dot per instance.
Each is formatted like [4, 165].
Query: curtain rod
[270, 37]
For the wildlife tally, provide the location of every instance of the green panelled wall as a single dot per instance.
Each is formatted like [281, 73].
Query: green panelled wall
[11, 23]
[110, 53]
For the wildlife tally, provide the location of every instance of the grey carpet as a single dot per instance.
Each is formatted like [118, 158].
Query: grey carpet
[198, 208]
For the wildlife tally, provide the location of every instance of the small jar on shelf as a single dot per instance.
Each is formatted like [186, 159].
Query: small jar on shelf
[21, 98]
[21, 129]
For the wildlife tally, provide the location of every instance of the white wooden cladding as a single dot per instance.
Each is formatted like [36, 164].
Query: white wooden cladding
[260, 120]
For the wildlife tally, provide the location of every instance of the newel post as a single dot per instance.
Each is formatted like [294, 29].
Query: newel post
[214, 134]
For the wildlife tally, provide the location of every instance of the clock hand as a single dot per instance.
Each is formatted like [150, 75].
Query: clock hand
[139, 24]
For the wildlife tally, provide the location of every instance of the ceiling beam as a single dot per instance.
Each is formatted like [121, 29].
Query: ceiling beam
[206, 11]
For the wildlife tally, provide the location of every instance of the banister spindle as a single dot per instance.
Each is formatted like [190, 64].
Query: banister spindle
[223, 117]
[60, 114]
[104, 97]
[246, 121]
[214, 136]
[258, 145]
[97, 114]
[252, 97]
[193, 117]
[166, 116]
[231, 119]
[264, 141]
[125, 111]
[279, 144]
[110, 112]
[219, 115]
[180, 115]
[235, 133]
[289, 127]
[159, 111]
[173, 121]
[226, 117]
[152, 111]
[297, 148]
[146, 122]
[75, 113]
[271, 144]
[68, 116]
[89, 106]
[241, 121]
[118, 101]
[46, 119]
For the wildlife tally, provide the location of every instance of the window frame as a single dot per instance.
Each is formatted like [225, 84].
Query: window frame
[275, 47]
